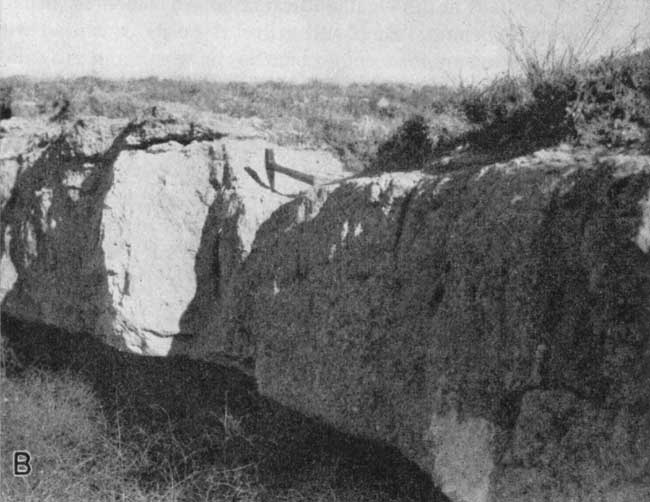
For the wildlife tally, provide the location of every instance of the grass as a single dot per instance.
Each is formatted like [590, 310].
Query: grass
[559, 92]
[556, 93]
[601, 104]
[554, 97]
[353, 120]
[105, 426]
[57, 417]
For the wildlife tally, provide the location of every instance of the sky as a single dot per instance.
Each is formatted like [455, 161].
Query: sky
[416, 41]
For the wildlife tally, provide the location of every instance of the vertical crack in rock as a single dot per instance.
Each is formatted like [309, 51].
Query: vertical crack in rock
[216, 265]
[401, 219]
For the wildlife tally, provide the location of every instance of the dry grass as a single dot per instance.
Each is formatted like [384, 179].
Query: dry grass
[560, 92]
[353, 119]
[59, 420]
[556, 93]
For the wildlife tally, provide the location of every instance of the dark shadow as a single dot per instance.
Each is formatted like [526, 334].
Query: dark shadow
[214, 267]
[79, 221]
[188, 397]
[253, 174]
[207, 271]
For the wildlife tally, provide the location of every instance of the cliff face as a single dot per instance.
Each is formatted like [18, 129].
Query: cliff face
[492, 324]
[113, 227]
[21, 143]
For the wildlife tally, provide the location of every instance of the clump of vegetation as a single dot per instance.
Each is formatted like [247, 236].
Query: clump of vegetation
[557, 96]
[612, 104]
[602, 103]
[561, 94]
[353, 120]
[410, 148]
[6, 92]
[509, 111]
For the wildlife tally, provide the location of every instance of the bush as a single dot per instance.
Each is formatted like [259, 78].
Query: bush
[5, 102]
[612, 105]
[558, 95]
[410, 148]
[513, 110]
[602, 103]
[494, 102]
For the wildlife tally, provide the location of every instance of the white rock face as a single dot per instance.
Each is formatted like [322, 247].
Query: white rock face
[113, 223]
[151, 224]
[464, 457]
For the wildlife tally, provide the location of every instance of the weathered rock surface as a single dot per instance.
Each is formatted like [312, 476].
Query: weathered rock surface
[494, 325]
[110, 223]
[21, 143]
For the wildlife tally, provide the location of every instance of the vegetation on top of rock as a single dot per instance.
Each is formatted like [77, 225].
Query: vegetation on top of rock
[353, 120]
[5, 102]
[604, 103]
[409, 148]
[382, 127]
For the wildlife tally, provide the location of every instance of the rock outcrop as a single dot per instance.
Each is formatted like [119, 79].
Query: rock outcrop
[110, 224]
[21, 143]
[492, 323]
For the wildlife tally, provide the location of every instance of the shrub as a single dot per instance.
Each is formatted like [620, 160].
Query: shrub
[561, 94]
[5, 102]
[494, 102]
[602, 103]
[410, 148]
[515, 111]
[612, 105]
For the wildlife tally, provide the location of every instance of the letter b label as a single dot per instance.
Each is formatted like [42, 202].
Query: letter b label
[21, 463]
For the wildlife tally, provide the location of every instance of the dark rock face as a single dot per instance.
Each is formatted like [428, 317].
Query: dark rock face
[491, 324]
